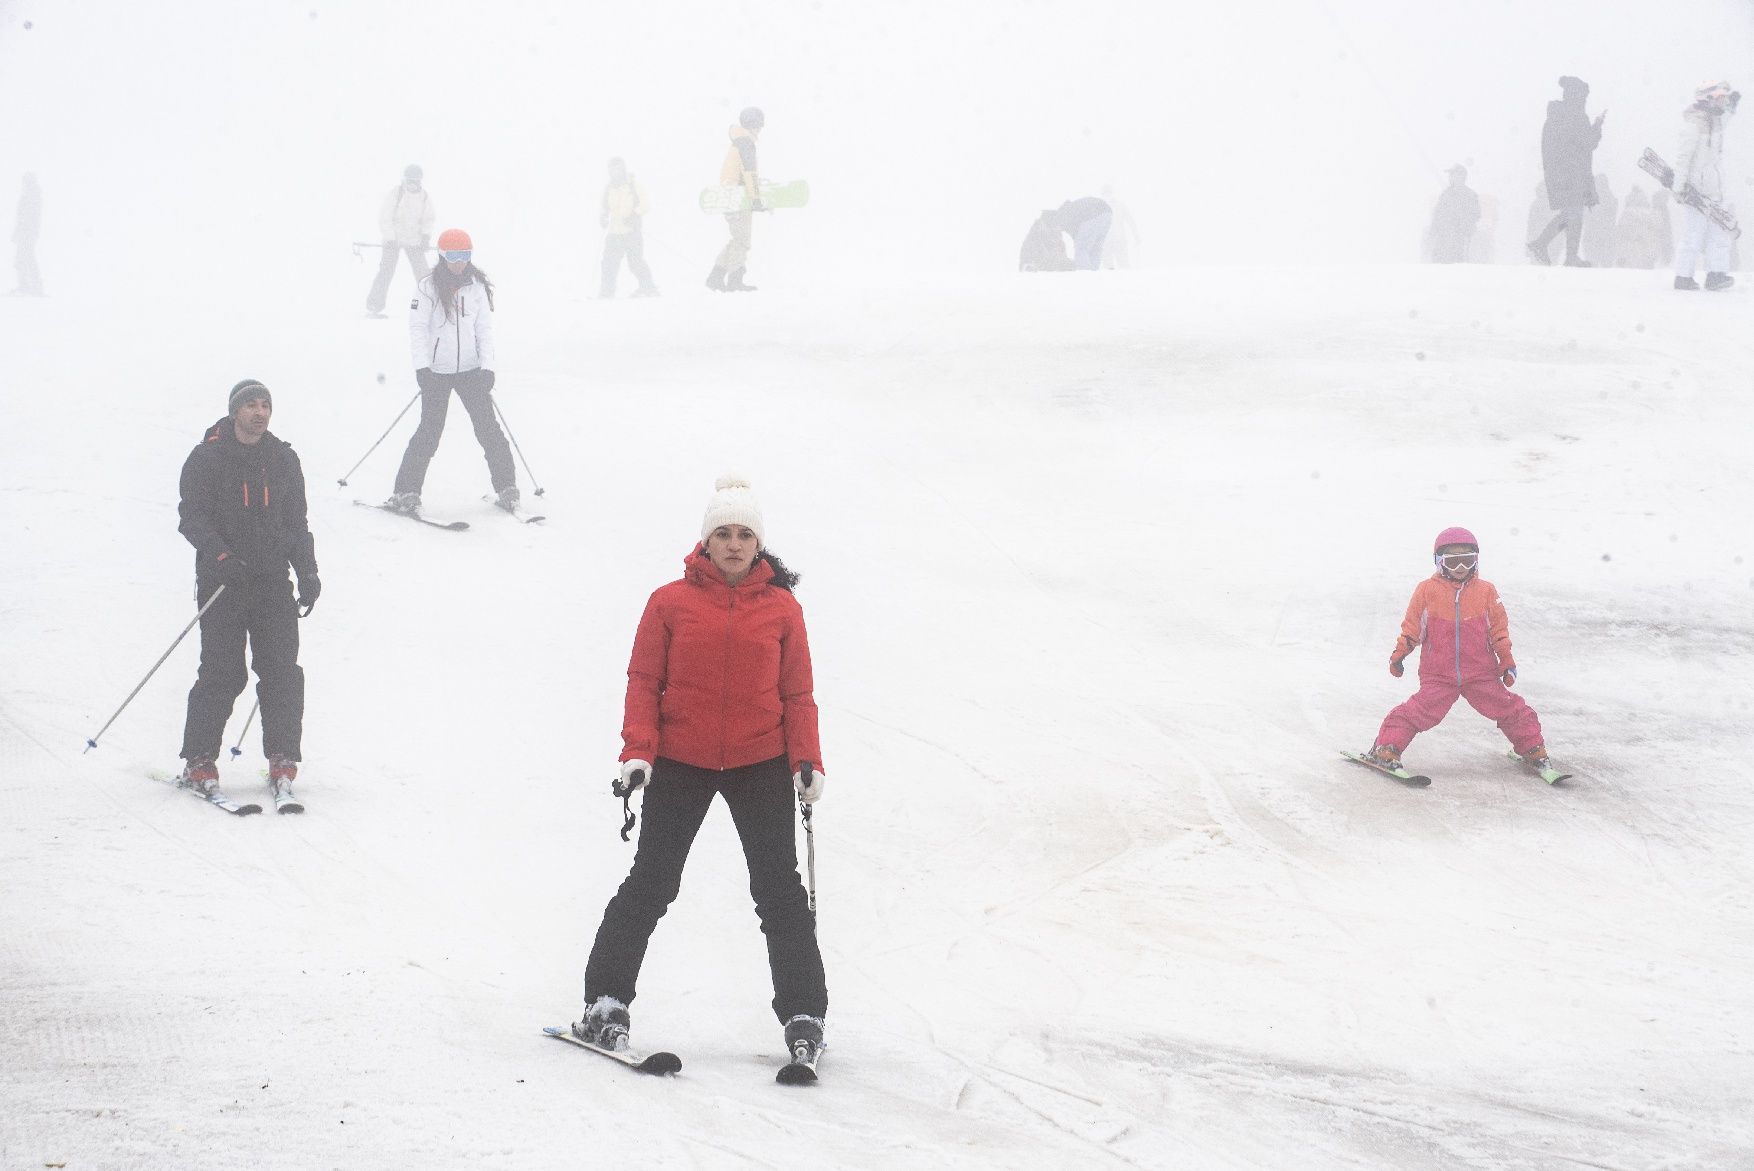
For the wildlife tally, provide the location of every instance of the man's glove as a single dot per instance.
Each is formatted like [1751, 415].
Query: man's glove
[634, 775]
[809, 792]
[232, 572]
[426, 378]
[1509, 676]
[310, 586]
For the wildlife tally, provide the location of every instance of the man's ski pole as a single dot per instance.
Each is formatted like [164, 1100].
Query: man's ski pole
[92, 742]
[804, 810]
[515, 447]
[343, 480]
[236, 749]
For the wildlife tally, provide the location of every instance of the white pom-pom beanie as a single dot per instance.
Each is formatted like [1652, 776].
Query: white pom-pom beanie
[733, 503]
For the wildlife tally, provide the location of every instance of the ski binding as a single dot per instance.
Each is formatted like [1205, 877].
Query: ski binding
[653, 1063]
[1545, 771]
[1400, 774]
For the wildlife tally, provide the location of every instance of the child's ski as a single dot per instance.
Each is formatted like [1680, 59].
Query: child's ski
[652, 1063]
[1400, 774]
[1545, 771]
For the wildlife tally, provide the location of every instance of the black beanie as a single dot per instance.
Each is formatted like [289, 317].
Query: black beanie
[243, 392]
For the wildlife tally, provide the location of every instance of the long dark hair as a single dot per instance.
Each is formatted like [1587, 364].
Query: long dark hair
[445, 284]
[782, 577]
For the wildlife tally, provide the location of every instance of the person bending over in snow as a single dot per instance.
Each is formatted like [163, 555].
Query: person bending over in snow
[1457, 617]
[719, 702]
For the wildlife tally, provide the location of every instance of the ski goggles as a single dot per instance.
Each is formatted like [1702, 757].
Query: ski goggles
[456, 255]
[1456, 562]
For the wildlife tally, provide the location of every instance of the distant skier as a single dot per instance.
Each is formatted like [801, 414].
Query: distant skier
[243, 508]
[623, 218]
[24, 235]
[1568, 144]
[1699, 165]
[405, 226]
[1454, 219]
[1457, 617]
[719, 703]
[740, 168]
[450, 331]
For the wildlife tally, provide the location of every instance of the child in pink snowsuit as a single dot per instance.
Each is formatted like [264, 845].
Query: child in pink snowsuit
[1457, 617]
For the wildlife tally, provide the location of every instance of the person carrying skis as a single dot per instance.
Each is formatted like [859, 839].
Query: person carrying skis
[1457, 617]
[450, 331]
[405, 227]
[719, 702]
[1699, 165]
[1568, 145]
[243, 508]
[739, 169]
[622, 218]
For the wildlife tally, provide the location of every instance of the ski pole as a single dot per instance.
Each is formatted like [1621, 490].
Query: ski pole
[237, 751]
[92, 742]
[515, 447]
[343, 480]
[805, 810]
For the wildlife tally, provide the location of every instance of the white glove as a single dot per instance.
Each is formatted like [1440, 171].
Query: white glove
[810, 793]
[635, 774]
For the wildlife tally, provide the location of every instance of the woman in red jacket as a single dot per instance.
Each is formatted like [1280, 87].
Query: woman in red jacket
[718, 702]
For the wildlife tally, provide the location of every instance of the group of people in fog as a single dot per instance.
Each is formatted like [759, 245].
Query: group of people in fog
[1575, 203]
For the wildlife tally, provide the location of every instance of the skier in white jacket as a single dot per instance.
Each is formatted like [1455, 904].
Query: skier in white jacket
[404, 226]
[450, 335]
[1699, 165]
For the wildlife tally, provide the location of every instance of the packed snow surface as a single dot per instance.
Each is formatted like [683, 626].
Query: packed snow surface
[1100, 570]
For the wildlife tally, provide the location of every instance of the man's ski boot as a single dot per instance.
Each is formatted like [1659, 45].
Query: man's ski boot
[1687, 284]
[605, 1024]
[407, 503]
[804, 1046]
[734, 283]
[715, 280]
[1718, 280]
[200, 774]
[509, 498]
[281, 773]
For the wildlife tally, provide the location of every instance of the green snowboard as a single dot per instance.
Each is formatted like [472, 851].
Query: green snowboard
[736, 198]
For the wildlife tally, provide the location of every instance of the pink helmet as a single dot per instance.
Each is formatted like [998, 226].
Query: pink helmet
[1455, 535]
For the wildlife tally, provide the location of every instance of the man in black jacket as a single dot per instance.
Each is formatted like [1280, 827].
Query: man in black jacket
[243, 508]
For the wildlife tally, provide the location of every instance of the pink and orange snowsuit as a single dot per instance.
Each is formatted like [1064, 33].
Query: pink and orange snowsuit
[1465, 638]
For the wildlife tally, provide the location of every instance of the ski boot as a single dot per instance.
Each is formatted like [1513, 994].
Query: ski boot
[1687, 284]
[1578, 262]
[715, 280]
[281, 773]
[1718, 280]
[605, 1024]
[734, 283]
[509, 498]
[1538, 254]
[1386, 754]
[199, 774]
[407, 503]
[646, 291]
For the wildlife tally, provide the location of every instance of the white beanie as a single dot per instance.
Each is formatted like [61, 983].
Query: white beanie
[733, 503]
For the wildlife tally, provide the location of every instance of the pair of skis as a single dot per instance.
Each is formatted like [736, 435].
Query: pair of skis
[799, 1071]
[284, 801]
[1652, 164]
[455, 526]
[1417, 781]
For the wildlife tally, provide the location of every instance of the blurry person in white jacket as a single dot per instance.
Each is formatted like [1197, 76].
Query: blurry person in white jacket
[1699, 165]
[405, 226]
[450, 334]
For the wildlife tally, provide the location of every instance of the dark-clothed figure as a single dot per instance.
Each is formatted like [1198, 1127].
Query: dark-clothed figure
[622, 218]
[1568, 144]
[450, 333]
[243, 508]
[1044, 248]
[405, 226]
[1087, 221]
[1453, 221]
[740, 169]
[720, 703]
[24, 235]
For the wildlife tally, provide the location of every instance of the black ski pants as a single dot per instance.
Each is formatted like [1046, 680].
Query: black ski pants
[762, 807]
[435, 401]
[631, 246]
[264, 615]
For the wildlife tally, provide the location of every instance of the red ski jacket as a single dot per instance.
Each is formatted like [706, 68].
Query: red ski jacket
[720, 675]
[1463, 629]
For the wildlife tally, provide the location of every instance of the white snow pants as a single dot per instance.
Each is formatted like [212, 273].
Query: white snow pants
[1699, 234]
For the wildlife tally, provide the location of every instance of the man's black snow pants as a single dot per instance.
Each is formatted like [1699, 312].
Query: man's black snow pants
[264, 614]
[675, 804]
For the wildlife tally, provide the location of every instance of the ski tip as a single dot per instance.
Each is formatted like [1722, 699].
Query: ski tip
[289, 807]
[660, 1064]
[795, 1074]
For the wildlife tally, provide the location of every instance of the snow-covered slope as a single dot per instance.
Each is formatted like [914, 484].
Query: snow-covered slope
[1100, 570]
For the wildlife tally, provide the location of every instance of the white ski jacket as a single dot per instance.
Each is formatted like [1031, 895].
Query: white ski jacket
[451, 344]
[1700, 159]
[405, 217]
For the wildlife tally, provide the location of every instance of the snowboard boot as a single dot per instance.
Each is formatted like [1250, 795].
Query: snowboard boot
[734, 283]
[605, 1024]
[1386, 754]
[407, 503]
[1718, 280]
[804, 1038]
[508, 498]
[715, 280]
[1537, 253]
[1687, 283]
[201, 775]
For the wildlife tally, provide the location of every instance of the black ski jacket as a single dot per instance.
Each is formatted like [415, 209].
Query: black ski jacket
[246, 500]
[1568, 146]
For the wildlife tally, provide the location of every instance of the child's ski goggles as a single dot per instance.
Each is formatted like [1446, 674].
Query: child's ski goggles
[1456, 562]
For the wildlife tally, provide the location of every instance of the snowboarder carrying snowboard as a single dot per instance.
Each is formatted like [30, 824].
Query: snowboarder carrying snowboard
[1568, 143]
[719, 702]
[450, 331]
[243, 508]
[1457, 617]
[739, 169]
[1700, 166]
[405, 227]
